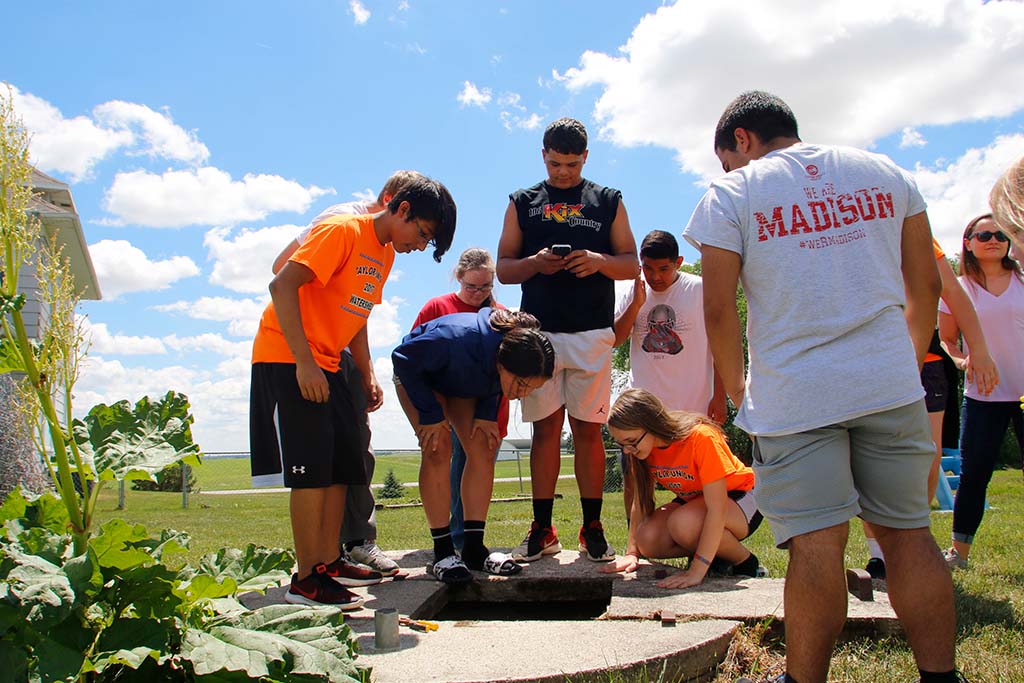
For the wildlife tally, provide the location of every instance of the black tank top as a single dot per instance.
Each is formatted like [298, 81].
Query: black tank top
[581, 217]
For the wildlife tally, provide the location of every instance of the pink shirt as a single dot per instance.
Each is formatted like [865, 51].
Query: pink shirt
[1002, 321]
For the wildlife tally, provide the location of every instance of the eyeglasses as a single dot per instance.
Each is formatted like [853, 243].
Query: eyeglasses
[634, 444]
[427, 237]
[986, 235]
[483, 289]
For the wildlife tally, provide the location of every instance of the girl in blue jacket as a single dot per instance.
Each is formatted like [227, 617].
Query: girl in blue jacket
[452, 371]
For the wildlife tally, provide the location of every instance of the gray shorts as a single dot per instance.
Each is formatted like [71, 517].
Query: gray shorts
[875, 466]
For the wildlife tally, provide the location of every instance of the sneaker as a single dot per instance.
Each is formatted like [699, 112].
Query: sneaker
[319, 589]
[876, 568]
[593, 544]
[781, 678]
[953, 559]
[538, 542]
[959, 677]
[372, 556]
[348, 574]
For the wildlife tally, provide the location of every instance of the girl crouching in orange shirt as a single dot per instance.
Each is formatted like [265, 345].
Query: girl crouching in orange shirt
[714, 507]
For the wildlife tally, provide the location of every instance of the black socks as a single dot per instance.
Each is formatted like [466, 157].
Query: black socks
[443, 546]
[542, 508]
[474, 552]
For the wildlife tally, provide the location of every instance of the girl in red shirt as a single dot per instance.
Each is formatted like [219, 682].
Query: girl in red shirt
[714, 506]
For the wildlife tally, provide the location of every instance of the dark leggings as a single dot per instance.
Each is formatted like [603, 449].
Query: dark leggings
[982, 426]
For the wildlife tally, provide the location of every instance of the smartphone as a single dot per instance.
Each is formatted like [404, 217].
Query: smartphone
[561, 249]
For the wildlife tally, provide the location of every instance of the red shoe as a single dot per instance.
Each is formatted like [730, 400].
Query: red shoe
[540, 541]
[318, 589]
[349, 574]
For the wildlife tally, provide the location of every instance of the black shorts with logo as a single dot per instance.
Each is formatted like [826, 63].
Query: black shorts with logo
[302, 443]
[933, 379]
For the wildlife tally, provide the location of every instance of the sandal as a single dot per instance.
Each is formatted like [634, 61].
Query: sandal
[450, 570]
[501, 564]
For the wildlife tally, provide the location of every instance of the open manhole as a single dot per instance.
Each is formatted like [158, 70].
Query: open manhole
[535, 600]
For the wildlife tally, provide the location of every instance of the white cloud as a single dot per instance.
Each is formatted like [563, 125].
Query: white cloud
[512, 121]
[57, 144]
[242, 262]
[396, 275]
[389, 426]
[204, 196]
[242, 315]
[162, 137]
[957, 192]
[403, 5]
[360, 15]
[102, 341]
[382, 328]
[219, 401]
[210, 342]
[471, 96]
[912, 138]
[653, 90]
[123, 268]
[511, 100]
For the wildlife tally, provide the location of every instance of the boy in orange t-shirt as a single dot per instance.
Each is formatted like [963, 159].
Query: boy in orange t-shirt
[300, 420]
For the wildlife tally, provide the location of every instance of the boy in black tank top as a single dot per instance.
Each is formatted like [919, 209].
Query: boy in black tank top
[573, 296]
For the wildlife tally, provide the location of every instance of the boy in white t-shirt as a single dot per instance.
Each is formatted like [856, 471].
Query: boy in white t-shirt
[662, 316]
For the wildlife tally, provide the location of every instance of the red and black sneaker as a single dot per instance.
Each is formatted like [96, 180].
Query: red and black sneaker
[539, 541]
[318, 589]
[348, 574]
[593, 543]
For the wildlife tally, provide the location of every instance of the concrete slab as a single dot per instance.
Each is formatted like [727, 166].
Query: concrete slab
[629, 637]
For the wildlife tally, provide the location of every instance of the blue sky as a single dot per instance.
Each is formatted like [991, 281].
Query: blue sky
[198, 137]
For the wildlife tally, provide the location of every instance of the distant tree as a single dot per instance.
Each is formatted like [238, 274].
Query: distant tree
[167, 479]
[392, 487]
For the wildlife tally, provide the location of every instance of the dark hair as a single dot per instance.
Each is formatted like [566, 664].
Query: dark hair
[430, 200]
[396, 182]
[640, 409]
[566, 136]
[524, 350]
[759, 112]
[659, 244]
[969, 262]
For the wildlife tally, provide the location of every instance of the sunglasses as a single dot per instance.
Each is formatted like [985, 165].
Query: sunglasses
[986, 235]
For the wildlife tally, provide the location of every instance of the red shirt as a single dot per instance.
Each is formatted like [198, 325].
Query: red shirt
[446, 304]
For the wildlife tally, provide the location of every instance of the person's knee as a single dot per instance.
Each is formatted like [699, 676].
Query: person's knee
[685, 530]
[650, 539]
[824, 544]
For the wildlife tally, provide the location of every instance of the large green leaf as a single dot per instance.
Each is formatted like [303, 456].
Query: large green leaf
[117, 545]
[40, 589]
[130, 642]
[10, 358]
[13, 506]
[21, 511]
[276, 642]
[203, 587]
[145, 592]
[57, 660]
[126, 442]
[13, 661]
[253, 568]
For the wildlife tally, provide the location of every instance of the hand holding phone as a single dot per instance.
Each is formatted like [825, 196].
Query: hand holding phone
[561, 249]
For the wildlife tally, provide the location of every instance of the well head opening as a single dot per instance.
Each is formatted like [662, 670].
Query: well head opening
[541, 599]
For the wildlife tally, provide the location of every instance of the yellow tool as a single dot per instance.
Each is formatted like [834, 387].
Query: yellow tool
[418, 624]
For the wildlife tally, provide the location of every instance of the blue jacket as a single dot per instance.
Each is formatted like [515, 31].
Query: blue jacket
[454, 355]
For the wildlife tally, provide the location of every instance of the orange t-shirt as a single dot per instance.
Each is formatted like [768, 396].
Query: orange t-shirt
[684, 467]
[939, 254]
[349, 270]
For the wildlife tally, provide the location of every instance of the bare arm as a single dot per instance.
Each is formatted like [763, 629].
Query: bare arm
[360, 348]
[512, 268]
[716, 498]
[979, 366]
[921, 282]
[949, 333]
[284, 290]
[720, 270]
[283, 257]
[718, 411]
[624, 323]
[621, 264]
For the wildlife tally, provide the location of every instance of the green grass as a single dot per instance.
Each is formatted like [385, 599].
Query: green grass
[218, 474]
[990, 595]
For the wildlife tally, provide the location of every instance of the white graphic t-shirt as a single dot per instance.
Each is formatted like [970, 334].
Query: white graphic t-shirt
[357, 208]
[818, 229]
[668, 348]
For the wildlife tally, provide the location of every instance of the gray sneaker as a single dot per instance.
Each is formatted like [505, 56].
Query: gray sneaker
[373, 557]
[953, 559]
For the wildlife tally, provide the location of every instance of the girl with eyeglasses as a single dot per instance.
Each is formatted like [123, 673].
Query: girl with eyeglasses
[714, 507]
[452, 373]
[995, 284]
[475, 274]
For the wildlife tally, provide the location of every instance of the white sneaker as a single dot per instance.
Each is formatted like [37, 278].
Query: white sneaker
[953, 559]
[372, 556]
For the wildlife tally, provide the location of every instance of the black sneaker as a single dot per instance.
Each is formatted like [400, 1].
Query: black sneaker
[349, 574]
[876, 568]
[593, 543]
[318, 589]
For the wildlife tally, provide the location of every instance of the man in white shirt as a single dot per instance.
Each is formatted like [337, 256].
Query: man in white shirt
[834, 251]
